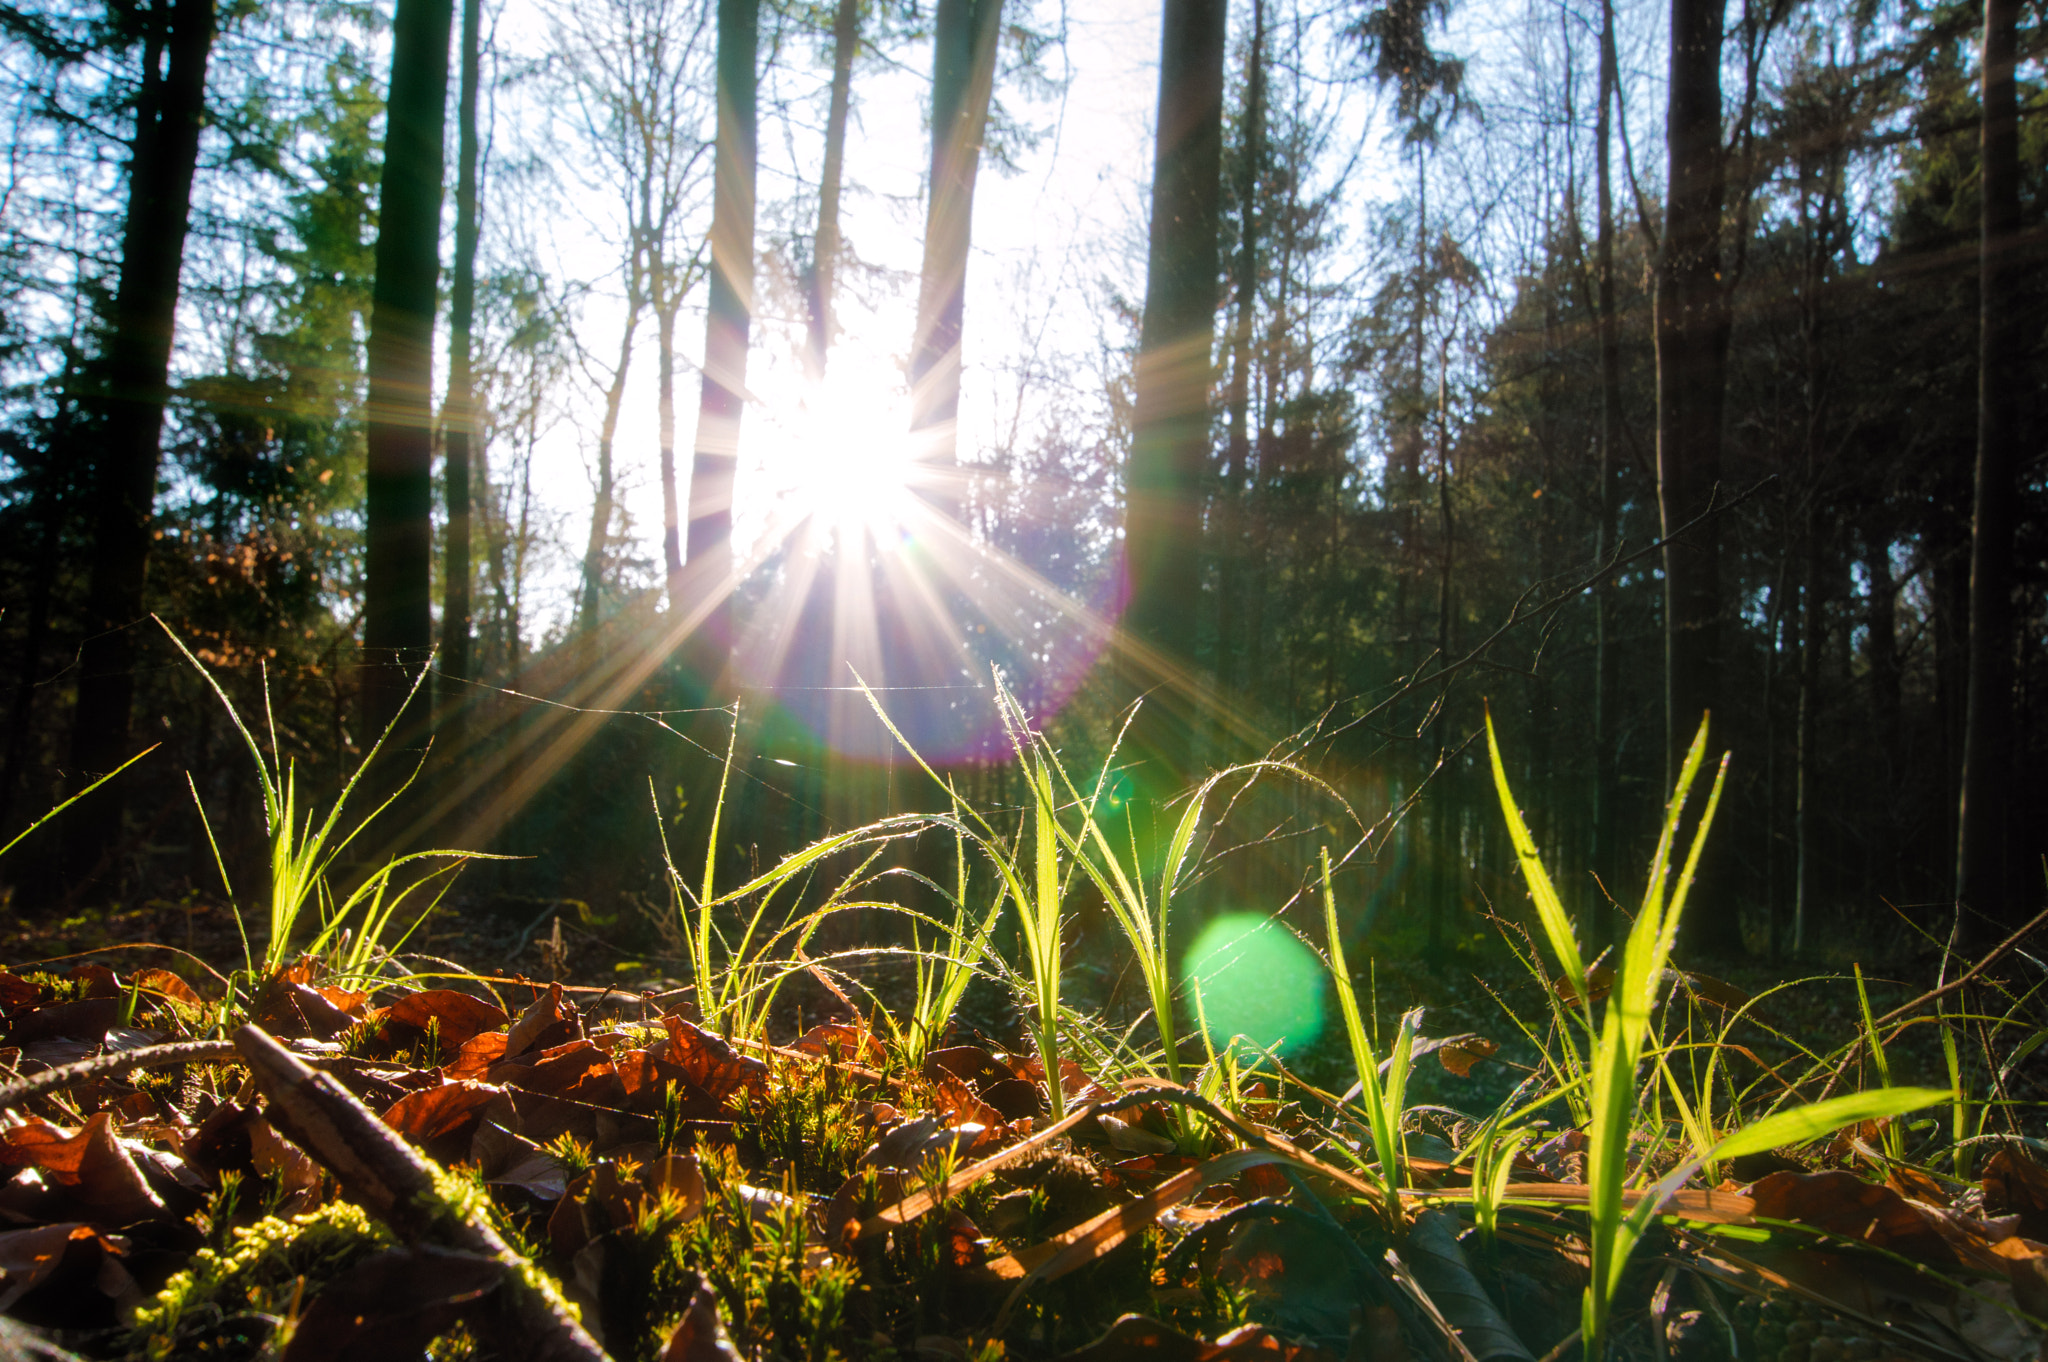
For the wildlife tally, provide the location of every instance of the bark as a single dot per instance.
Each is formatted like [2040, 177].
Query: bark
[1170, 423]
[164, 156]
[398, 527]
[1981, 885]
[715, 456]
[964, 36]
[458, 416]
[1606, 662]
[820, 326]
[1692, 350]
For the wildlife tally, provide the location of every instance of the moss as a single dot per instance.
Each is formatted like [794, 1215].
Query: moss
[265, 1267]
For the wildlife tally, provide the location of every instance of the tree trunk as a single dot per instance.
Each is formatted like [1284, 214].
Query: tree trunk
[820, 326]
[594, 546]
[163, 158]
[1232, 566]
[1812, 640]
[715, 457]
[1988, 720]
[458, 415]
[667, 301]
[1606, 668]
[398, 526]
[1170, 421]
[963, 80]
[1692, 351]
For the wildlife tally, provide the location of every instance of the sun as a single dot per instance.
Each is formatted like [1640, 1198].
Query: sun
[844, 462]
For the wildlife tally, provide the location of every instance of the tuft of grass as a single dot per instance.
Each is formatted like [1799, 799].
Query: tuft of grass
[305, 848]
[1617, 1041]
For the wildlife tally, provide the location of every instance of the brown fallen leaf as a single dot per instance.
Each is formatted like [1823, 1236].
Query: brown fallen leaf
[450, 1111]
[852, 1044]
[164, 982]
[709, 1062]
[700, 1335]
[91, 1164]
[612, 1195]
[29, 1258]
[1845, 1205]
[545, 1023]
[86, 1020]
[579, 1070]
[392, 1305]
[459, 1015]
[915, 1143]
[2015, 1185]
[16, 993]
[275, 1156]
[474, 1058]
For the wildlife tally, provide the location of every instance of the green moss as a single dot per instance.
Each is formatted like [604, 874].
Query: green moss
[265, 1267]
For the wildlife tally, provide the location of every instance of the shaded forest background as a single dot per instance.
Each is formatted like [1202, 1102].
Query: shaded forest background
[1646, 367]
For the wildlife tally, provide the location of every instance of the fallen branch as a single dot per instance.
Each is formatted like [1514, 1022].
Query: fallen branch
[379, 1171]
[121, 1061]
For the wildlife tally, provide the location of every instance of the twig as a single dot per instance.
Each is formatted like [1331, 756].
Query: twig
[148, 1057]
[381, 1172]
[1966, 976]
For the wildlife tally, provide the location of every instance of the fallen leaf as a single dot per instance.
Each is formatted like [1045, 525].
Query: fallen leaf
[169, 985]
[474, 1058]
[711, 1063]
[578, 1070]
[448, 1112]
[852, 1044]
[392, 1304]
[460, 1016]
[91, 1164]
[1845, 1205]
[700, 1335]
[28, 1258]
[910, 1146]
[2015, 1185]
[544, 1023]
[87, 1019]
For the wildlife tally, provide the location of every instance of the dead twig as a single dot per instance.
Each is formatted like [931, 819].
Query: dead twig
[379, 1170]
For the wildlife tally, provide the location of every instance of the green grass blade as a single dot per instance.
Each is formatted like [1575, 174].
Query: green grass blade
[1816, 1119]
[1557, 927]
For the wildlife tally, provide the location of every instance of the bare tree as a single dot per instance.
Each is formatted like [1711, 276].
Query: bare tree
[634, 74]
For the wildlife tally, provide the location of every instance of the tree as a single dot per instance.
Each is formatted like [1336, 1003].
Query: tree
[458, 415]
[1170, 424]
[163, 157]
[727, 324]
[825, 245]
[398, 524]
[1988, 721]
[964, 36]
[1692, 329]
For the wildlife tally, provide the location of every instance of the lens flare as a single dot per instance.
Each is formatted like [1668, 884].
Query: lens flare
[1256, 981]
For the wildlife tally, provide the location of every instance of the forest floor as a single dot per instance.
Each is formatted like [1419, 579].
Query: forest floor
[591, 1168]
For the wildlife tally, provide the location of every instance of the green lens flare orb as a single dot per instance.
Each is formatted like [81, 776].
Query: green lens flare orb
[1257, 981]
